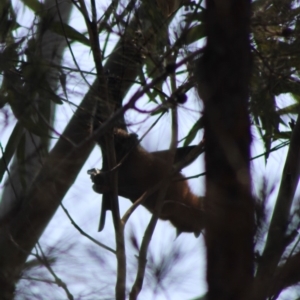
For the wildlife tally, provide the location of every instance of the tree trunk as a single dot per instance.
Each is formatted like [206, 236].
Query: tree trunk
[223, 74]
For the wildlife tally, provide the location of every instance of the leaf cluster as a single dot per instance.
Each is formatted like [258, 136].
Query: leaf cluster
[275, 47]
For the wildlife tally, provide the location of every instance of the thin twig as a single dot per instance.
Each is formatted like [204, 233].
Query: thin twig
[140, 201]
[58, 281]
[84, 233]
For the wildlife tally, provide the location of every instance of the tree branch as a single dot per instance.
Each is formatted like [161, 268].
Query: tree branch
[275, 244]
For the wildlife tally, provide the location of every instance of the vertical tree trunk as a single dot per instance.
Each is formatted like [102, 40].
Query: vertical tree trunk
[223, 74]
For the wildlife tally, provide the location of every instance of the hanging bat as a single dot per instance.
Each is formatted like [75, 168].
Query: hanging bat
[140, 170]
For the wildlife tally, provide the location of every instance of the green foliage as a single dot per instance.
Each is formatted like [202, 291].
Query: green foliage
[194, 34]
[200, 298]
[8, 21]
[275, 44]
[276, 61]
[193, 132]
[34, 5]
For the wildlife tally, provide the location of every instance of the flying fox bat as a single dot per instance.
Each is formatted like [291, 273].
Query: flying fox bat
[140, 170]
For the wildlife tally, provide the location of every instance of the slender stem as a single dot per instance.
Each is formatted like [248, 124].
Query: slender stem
[84, 233]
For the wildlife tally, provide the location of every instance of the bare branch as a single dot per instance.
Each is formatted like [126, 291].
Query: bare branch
[84, 233]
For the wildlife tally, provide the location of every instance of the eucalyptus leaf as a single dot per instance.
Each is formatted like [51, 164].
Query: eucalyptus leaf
[286, 135]
[34, 5]
[69, 32]
[291, 109]
[193, 132]
[195, 33]
[204, 297]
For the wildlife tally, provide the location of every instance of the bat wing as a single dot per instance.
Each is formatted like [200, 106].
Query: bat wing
[179, 155]
[106, 205]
